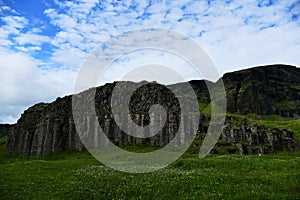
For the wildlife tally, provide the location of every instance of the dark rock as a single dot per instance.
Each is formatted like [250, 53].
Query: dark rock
[5, 129]
[259, 140]
[272, 89]
[48, 128]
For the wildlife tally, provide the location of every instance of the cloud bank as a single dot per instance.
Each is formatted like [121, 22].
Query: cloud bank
[41, 51]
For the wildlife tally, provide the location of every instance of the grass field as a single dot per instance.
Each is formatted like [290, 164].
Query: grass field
[77, 175]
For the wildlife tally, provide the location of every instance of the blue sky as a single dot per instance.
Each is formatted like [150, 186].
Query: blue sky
[43, 43]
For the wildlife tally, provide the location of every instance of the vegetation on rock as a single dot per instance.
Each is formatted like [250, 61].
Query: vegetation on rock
[270, 90]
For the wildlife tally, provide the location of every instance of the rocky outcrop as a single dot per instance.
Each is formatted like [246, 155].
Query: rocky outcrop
[273, 89]
[241, 136]
[48, 128]
[44, 129]
[5, 129]
[249, 138]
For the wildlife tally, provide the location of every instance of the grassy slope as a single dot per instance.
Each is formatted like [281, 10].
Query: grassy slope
[272, 121]
[77, 175]
[275, 121]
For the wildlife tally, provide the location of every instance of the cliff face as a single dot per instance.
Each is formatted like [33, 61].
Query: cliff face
[48, 128]
[44, 129]
[249, 138]
[5, 129]
[264, 90]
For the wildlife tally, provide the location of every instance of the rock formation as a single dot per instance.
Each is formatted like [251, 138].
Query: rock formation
[47, 128]
[273, 89]
[249, 138]
[5, 129]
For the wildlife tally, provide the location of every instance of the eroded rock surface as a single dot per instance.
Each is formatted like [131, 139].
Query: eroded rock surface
[48, 128]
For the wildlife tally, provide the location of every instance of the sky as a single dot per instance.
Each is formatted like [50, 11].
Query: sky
[43, 43]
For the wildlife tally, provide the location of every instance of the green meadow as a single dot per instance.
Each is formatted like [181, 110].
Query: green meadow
[77, 175]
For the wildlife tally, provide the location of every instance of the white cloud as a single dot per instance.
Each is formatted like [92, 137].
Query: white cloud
[27, 49]
[5, 42]
[61, 20]
[69, 56]
[12, 33]
[71, 36]
[269, 37]
[235, 34]
[12, 26]
[7, 9]
[31, 38]
[15, 21]
[24, 84]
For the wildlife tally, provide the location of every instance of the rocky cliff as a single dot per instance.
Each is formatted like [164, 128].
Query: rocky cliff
[273, 89]
[240, 135]
[48, 128]
[5, 129]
